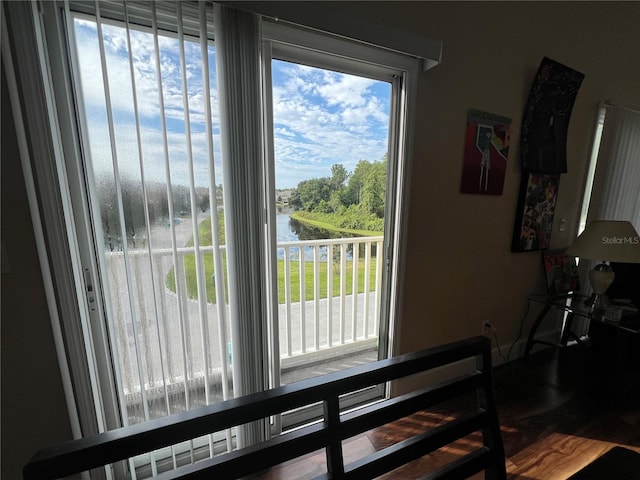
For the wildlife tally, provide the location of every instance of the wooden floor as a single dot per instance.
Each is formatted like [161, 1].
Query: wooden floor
[554, 413]
[557, 415]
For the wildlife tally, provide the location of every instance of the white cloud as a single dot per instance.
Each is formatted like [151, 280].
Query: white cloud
[345, 90]
[320, 117]
[284, 131]
[144, 63]
[336, 118]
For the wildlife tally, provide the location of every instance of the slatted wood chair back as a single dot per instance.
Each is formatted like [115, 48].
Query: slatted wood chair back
[328, 435]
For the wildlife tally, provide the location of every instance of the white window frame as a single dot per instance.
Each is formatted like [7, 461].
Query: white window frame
[290, 43]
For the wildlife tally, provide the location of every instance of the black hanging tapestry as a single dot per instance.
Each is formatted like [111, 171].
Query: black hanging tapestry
[543, 140]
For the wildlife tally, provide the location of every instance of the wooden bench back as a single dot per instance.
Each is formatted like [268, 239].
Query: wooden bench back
[121, 444]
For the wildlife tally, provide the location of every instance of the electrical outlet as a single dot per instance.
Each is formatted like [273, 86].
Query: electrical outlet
[563, 224]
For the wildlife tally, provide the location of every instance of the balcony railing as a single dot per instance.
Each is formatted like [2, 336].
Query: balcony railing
[169, 333]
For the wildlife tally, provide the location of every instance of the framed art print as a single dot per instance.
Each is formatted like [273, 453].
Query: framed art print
[560, 272]
[535, 210]
[486, 149]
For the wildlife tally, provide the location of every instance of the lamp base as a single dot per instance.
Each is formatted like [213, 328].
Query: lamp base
[598, 301]
[601, 277]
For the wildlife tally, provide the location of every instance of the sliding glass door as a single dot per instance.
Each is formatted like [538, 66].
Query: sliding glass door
[237, 224]
[333, 126]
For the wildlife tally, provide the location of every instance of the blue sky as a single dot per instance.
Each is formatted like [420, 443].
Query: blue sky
[320, 117]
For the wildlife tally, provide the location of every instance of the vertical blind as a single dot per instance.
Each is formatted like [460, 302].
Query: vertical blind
[239, 66]
[152, 136]
[613, 192]
[616, 187]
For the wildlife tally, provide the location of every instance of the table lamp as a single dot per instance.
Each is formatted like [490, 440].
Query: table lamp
[606, 241]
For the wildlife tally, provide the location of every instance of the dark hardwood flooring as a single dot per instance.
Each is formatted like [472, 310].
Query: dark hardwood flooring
[562, 409]
[566, 392]
[558, 412]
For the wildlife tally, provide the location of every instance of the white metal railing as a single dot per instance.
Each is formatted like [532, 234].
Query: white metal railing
[326, 320]
[177, 350]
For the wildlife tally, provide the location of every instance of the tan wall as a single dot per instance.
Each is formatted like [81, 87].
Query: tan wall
[34, 413]
[460, 270]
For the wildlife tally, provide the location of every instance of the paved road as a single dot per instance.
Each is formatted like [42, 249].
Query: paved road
[161, 234]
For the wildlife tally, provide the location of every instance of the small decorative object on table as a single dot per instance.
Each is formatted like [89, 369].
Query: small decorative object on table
[613, 314]
[561, 272]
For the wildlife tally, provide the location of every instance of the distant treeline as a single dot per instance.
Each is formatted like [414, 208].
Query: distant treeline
[355, 200]
[133, 208]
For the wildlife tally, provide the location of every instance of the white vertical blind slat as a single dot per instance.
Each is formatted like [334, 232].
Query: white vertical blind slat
[238, 53]
[123, 230]
[200, 281]
[176, 261]
[151, 264]
[218, 266]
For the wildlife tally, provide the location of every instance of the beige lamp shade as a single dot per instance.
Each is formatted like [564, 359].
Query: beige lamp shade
[607, 240]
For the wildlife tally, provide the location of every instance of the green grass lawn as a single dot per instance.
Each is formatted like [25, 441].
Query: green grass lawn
[204, 235]
[294, 279]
